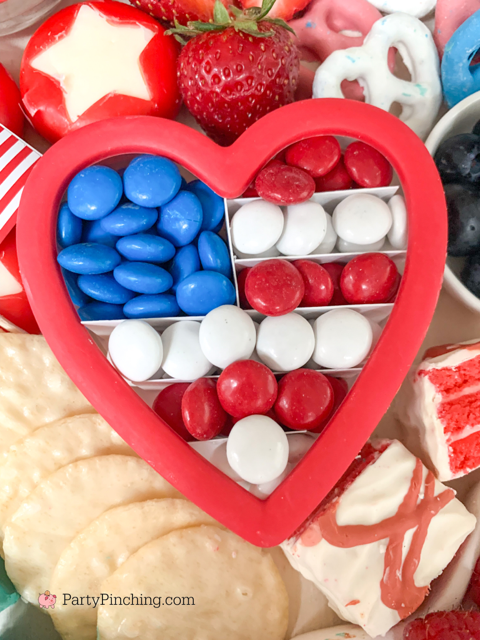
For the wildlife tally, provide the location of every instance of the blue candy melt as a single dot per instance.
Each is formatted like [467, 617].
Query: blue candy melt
[146, 248]
[101, 311]
[88, 258]
[94, 232]
[459, 79]
[212, 205]
[143, 277]
[184, 264]
[69, 227]
[203, 291]
[129, 218]
[181, 219]
[94, 192]
[77, 296]
[163, 305]
[104, 288]
[214, 254]
[151, 181]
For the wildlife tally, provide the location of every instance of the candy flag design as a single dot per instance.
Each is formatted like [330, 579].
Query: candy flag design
[16, 161]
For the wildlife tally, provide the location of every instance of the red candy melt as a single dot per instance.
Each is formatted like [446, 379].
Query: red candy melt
[334, 270]
[203, 415]
[318, 284]
[247, 388]
[305, 399]
[168, 405]
[370, 278]
[336, 180]
[283, 185]
[316, 156]
[274, 287]
[367, 166]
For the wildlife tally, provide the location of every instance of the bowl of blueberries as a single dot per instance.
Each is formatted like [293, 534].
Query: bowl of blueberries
[455, 146]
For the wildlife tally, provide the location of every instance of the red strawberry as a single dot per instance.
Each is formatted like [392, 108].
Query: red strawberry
[237, 71]
[445, 625]
[182, 11]
[284, 9]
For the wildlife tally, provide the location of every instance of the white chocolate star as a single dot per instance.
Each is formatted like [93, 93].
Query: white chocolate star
[96, 59]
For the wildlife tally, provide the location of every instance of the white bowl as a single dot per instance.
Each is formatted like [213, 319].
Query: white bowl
[461, 119]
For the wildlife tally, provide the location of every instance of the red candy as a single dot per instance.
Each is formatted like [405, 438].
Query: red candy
[274, 287]
[318, 284]
[340, 391]
[241, 277]
[305, 399]
[168, 405]
[316, 156]
[11, 115]
[367, 166]
[334, 270]
[370, 278]
[281, 184]
[246, 388]
[336, 180]
[203, 415]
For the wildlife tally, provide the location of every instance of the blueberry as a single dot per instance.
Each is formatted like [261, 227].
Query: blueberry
[458, 159]
[463, 204]
[470, 275]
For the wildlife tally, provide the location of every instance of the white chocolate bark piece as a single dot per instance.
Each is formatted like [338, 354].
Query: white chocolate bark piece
[440, 410]
[34, 389]
[63, 505]
[30, 460]
[102, 548]
[236, 589]
[380, 538]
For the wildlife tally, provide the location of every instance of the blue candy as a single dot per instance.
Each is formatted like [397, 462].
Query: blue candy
[77, 296]
[181, 219]
[143, 277]
[184, 264]
[212, 205]
[88, 258]
[69, 227]
[203, 291]
[94, 192]
[151, 181]
[104, 289]
[163, 305]
[459, 79]
[129, 218]
[214, 254]
[101, 311]
[146, 248]
[94, 232]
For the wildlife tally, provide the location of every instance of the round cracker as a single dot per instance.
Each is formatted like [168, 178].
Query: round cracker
[102, 548]
[63, 505]
[31, 460]
[237, 590]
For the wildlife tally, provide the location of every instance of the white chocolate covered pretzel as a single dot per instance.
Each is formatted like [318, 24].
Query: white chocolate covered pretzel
[415, 8]
[420, 98]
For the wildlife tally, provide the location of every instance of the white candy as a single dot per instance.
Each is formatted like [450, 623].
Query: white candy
[183, 358]
[257, 449]
[136, 349]
[255, 355]
[415, 8]
[305, 228]
[256, 227]
[350, 247]
[285, 343]
[265, 489]
[398, 234]
[343, 338]
[227, 334]
[328, 243]
[273, 252]
[299, 444]
[362, 219]
[421, 98]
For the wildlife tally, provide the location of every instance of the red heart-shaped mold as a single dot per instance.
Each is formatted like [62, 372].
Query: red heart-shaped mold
[229, 171]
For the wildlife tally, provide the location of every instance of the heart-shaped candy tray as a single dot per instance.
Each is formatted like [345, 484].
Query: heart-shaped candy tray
[229, 171]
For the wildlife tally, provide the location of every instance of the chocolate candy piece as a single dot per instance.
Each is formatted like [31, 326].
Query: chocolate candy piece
[143, 277]
[203, 291]
[274, 287]
[371, 278]
[281, 184]
[162, 305]
[94, 192]
[367, 167]
[129, 218]
[69, 227]
[88, 258]
[104, 288]
[151, 181]
[181, 219]
[213, 253]
[317, 156]
[144, 247]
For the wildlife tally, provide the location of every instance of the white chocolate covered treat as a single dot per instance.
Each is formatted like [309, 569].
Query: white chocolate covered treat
[380, 538]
